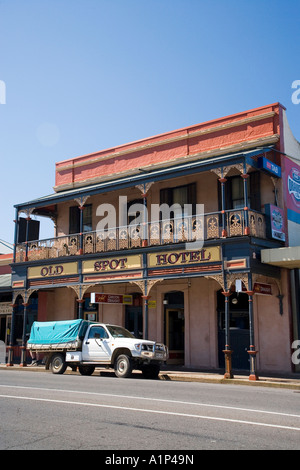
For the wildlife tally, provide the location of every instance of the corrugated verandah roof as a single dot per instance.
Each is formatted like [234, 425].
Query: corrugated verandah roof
[142, 177]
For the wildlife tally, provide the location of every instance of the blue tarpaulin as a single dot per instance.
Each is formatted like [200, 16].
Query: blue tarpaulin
[52, 332]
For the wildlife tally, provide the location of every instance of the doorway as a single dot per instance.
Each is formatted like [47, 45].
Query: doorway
[134, 316]
[174, 326]
[2, 328]
[239, 330]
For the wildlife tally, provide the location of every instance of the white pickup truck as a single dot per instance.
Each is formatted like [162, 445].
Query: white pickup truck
[86, 345]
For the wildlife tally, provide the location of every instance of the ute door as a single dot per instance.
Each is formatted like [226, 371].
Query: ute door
[96, 347]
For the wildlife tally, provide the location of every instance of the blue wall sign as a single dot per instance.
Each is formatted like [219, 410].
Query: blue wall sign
[269, 166]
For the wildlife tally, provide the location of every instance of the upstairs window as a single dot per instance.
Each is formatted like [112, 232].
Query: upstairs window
[74, 219]
[180, 195]
[234, 191]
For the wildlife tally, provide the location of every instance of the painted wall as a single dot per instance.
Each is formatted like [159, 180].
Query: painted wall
[231, 133]
[272, 332]
[291, 169]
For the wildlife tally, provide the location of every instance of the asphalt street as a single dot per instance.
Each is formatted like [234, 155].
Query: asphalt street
[42, 411]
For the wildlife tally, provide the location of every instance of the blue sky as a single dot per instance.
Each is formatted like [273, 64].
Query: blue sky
[84, 75]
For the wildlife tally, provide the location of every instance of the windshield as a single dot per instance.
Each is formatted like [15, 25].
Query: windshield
[119, 332]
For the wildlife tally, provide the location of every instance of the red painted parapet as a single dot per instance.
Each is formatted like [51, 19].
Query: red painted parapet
[246, 130]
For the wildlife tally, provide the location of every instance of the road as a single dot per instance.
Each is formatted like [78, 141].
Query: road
[39, 410]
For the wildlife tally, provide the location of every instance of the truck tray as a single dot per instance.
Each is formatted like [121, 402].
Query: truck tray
[48, 336]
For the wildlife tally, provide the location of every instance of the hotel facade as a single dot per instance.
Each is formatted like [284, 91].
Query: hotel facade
[213, 281]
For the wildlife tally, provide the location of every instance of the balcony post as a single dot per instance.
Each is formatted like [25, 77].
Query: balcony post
[81, 209]
[145, 218]
[26, 237]
[223, 180]
[81, 204]
[245, 177]
[16, 221]
[144, 188]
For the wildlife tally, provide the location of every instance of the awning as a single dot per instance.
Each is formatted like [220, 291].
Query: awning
[5, 281]
[188, 167]
[286, 257]
[5, 247]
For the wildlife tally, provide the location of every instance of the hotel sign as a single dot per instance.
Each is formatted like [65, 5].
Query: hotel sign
[52, 270]
[102, 265]
[186, 257]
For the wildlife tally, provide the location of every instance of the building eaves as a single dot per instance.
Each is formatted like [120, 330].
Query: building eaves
[144, 176]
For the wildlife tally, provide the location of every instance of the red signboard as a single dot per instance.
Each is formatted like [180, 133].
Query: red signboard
[260, 288]
[111, 299]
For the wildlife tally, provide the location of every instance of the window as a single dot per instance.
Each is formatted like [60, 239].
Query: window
[74, 219]
[32, 313]
[237, 192]
[132, 213]
[98, 332]
[234, 191]
[33, 230]
[180, 195]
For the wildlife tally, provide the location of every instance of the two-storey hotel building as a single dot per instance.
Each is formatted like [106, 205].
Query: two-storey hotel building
[206, 279]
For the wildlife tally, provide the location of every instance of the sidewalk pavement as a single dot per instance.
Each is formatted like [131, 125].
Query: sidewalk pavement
[184, 374]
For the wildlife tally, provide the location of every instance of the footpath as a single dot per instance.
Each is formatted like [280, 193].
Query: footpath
[183, 374]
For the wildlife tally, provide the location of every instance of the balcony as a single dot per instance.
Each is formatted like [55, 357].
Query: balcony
[211, 226]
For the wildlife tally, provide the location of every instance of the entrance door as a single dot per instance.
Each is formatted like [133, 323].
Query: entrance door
[5, 326]
[175, 335]
[239, 330]
[134, 316]
[2, 328]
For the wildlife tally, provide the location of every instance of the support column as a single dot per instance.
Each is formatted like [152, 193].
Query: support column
[227, 351]
[145, 221]
[10, 359]
[223, 180]
[16, 221]
[23, 347]
[144, 188]
[252, 351]
[80, 309]
[81, 209]
[245, 177]
[26, 240]
[81, 204]
[145, 314]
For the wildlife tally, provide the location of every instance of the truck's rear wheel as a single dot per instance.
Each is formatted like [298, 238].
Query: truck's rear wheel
[123, 366]
[86, 370]
[58, 364]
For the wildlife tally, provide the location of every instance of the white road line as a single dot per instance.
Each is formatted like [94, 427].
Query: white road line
[142, 410]
[133, 397]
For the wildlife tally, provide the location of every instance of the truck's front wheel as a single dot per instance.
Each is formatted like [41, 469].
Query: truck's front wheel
[58, 364]
[123, 366]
